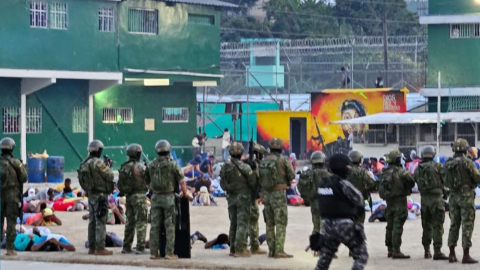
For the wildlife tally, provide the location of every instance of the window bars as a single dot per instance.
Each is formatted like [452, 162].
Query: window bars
[106, 20]
[142, 21]
[175, 115]
[117, 115]
[38, 14]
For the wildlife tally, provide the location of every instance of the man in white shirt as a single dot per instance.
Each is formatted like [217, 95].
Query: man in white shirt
[226, 144]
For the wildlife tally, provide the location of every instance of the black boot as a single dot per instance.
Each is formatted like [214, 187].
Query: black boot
[466, 257]
[452, 258]
[438, 255]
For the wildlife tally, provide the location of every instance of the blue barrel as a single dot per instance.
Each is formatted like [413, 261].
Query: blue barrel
[55, 169]
[36, 170]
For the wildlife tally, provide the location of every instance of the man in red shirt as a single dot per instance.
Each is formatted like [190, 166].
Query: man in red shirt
[377, 167]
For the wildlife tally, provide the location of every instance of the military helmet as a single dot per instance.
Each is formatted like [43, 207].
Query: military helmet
[236, 149]
[163, 146]
[318, 157]
[133, 150]
[7, 144]
[95, 146]
[393, 156]
[460, 145]
[259, 148]
[276, 144]
[355, 156]
[428, 152]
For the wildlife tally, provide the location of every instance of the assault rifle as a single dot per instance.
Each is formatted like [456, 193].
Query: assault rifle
[320, 139]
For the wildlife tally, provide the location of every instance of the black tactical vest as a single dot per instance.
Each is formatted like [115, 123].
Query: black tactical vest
[333, 204]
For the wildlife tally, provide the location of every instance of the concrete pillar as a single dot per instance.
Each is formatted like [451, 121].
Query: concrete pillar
[90, 118]
[23, 127]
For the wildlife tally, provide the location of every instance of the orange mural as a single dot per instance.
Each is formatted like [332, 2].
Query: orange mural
[343, 104]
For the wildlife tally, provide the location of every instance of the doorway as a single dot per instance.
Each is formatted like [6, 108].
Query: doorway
[298, 136]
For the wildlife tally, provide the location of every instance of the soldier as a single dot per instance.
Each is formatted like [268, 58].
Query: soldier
[339, 203]
[395, 184]
[361, 180]
[162, 175]
[238, 180]
[97, 179]
[461, 177]
[428, 176]
[13, 175]
[131, 182]
[259, 152]
[276, 173]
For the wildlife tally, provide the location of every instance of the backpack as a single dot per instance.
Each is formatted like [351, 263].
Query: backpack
[268, 172]
[453, 177]
[305, 184]
[391, 185]
[228, 174]
[427, 177]
[125, 177]
[8, 175]
[161, 176]
[85, 178]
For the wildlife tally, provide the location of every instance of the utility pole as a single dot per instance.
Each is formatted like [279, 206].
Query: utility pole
[385, 44]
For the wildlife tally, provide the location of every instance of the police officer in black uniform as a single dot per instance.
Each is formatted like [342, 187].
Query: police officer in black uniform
[340, 203]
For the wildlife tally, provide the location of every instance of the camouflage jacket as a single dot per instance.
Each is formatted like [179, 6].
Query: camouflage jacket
[19, 168]
[174, 175]
[361, 180]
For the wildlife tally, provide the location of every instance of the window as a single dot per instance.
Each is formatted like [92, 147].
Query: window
[38, 14]
[142, 21]
[407, 135]
[466, 131]
[464, 30]
[392, 134]
[106, 20]
[117, 115]
[58, 16]
[428, 132]
[34, 120]
[80, 120]
[11, 120]
[448, 132]
[375, 134]
[175, 115]
[201, 19]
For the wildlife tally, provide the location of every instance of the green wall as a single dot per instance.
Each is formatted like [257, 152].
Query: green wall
[10, 97]
[147, 102]
[81, 47]
[457, 59]
[450, 7]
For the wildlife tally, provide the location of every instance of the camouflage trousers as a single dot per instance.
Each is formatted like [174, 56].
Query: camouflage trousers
[462, 213]
[253, 226]
[275, 214]
[342, 231]
[433, 216]
[163, 210]
[396, 213]
[96, 226]
[239, 206]
[10, 202]
[136, 213]
[316, 219]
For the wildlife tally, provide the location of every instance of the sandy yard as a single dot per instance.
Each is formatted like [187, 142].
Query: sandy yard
[212, 221]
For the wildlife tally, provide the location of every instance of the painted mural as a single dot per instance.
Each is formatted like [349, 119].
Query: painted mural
[334, 105]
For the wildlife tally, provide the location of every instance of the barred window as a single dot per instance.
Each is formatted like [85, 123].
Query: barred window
[448, 132]
[407, 135]
[38, 14]
[428, 132]
[201, 19]
[106, 20]
[11, 120]
[175, 115]
[34, 120]
[466, 131]
[375, 134]
[464, 30]
[142, 21]
[117, 115]
[80, 120]
[58, 16]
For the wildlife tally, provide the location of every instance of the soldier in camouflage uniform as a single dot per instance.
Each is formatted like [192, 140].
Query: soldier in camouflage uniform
[276, 173]
[361, 180]
[132, 183]
[395, 184]
[461, 177]
[12, 181]
[259, 152]
[428, 176]
[339, 202]
[102, 177]
[162, 175]
[238, 180]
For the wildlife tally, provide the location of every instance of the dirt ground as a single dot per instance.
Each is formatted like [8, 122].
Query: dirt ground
[212, 221]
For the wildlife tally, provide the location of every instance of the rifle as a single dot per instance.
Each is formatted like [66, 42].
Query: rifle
[250, 148]
[370, 203]
[320, 138]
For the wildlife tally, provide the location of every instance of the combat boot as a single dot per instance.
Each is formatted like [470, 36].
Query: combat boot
[389, 254]
[438, 255]
[466, 257]
[103, 252]
[91, 251]
[271, 254]
[427, 255]
[242, 254]
[258, 251]
[127, 251]
[283, 255]
[11, 252]
[171, 257]
[399, 255]
[452, 257]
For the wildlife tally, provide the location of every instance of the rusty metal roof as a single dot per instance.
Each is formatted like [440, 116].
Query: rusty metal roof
[215, 3]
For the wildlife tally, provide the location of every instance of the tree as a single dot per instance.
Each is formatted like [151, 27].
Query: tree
[236, 28]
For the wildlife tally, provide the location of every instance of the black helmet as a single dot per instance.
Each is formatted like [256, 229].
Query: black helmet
[355, 156]
[428, 152]
[163, 146]
[134, 149]
[318, 157]
[340, 165]
[95, 146]
[7, 144]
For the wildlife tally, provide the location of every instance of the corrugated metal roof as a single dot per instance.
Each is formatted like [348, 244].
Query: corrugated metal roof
[413, 118]
[214, 3]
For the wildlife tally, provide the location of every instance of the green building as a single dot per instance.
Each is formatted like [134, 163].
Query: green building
[118, 71]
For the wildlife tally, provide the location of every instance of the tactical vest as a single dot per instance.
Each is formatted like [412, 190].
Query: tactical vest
[332, 202]
[456, 175]
[271, 172]
[391, 185]
[90, 180]
[232, 180]
[305, 184]
[162, 178]
[130, 179]
[428, 178]
[8, 175]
